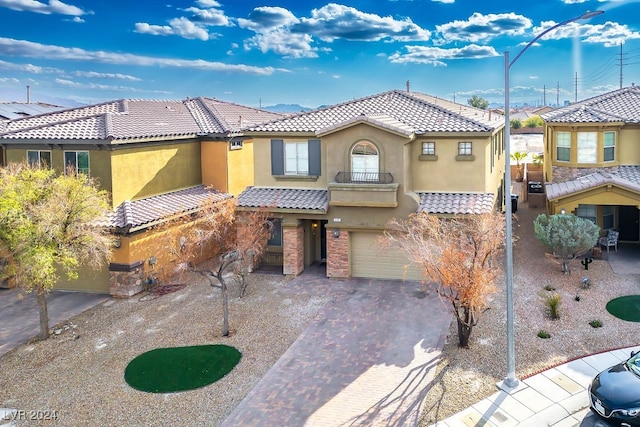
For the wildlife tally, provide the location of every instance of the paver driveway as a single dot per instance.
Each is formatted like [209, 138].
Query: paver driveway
[366, 359]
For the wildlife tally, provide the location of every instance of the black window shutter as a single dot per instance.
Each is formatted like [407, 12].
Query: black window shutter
[277, 157]
[314, 157]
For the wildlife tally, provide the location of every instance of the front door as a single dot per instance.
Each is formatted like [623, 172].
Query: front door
[628, 220]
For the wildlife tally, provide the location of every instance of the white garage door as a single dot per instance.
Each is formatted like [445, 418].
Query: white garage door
[368, 260]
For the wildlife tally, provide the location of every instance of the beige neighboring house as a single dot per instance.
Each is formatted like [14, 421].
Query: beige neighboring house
[333, 177]
[592, 161]
[156, 158]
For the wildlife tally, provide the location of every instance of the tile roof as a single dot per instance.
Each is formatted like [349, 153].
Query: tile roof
[220, 117]
[626, 177]
[131, 119]
[285, 198]
[622, 105]
[142, 213]
[456, 203]
[414, 112]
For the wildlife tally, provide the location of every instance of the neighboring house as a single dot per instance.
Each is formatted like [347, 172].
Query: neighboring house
[156, 158]
[592, 160]
[333, 177]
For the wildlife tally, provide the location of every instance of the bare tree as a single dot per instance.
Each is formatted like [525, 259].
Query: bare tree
[51, 221]
[456, 257]
[216, 241]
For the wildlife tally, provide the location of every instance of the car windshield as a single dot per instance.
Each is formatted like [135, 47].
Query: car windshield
[634, 364]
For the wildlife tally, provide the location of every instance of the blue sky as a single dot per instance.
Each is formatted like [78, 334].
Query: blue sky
[261, 53]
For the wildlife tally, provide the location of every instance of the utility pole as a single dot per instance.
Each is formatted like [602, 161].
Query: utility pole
[558, 95]
[576, 84]
[620, 65]
[544, 95]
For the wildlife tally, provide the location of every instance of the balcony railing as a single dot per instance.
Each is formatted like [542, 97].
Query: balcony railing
[364, 178]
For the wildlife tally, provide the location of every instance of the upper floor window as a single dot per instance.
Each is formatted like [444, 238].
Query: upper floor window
[609, 146]
[77, 160]
[364, 162]
[464, 149]
[429, 148]
[587, 147]
[563, 146]
[296, 158]
[39, 158]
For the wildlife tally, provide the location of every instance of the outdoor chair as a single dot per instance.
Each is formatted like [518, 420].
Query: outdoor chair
[610, 240]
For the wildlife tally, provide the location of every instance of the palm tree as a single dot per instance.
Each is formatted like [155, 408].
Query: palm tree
[518, 156]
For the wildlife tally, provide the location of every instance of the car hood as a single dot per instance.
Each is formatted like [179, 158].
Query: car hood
[617, 387]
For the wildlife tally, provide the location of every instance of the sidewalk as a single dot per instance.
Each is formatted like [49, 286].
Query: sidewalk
[556, 397]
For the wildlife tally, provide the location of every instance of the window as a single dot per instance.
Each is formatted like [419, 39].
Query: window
[587, 147]
[563, 146]
[587, 212]
[276, 232]
[296, 158]
[364, 162]
[78, 160]
[607, 217]
[429, 148]
[290, 160]
[41, 158]
[464, 149]
[609, 146]
[235, 145]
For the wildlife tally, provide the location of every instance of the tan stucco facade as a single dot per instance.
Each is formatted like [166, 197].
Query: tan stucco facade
[357, 211]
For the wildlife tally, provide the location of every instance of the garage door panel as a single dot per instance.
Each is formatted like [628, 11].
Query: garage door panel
[371, 261]
[88, 281]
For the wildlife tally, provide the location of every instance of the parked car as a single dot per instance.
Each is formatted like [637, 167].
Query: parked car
[614, 393]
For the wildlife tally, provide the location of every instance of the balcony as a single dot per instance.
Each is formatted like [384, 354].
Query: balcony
[361, 189]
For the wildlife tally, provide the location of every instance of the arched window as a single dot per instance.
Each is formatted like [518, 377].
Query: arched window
[365, 162]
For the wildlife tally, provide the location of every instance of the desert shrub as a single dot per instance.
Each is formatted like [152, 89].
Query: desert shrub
[552, 305]
[596, 323]
[543, 334]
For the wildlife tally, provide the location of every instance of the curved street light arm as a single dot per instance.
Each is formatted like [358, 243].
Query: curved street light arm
[585, 15]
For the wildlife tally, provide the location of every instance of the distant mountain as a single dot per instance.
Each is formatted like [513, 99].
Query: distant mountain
[287, 108]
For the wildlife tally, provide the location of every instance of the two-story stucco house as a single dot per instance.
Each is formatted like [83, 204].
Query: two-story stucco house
[592, 160]
[333, 177]
[157, 158]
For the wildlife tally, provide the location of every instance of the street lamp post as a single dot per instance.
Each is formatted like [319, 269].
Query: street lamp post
[510, 380]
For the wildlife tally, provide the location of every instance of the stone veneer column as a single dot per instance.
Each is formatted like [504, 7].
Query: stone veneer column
[126, 280]
[338, 254]
[293, 249]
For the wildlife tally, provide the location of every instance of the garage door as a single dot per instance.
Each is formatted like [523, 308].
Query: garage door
[368, 260]
[88, 281]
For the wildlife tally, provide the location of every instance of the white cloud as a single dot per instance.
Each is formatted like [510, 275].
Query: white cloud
[436, 55]
[609, 34]
[192, 27]
[177, 26]
[9, 80]
[481, 27]
[97, 75]
[444, 1]
[280, 31]
[54, 6]
[28, 68]
[95, 86]
[29, 49]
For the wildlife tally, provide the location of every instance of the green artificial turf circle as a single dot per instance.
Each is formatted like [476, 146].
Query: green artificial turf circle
[625, 308]
[167, 370]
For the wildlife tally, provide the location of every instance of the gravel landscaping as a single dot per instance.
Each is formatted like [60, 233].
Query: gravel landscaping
[466, 376]
[78, 373]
